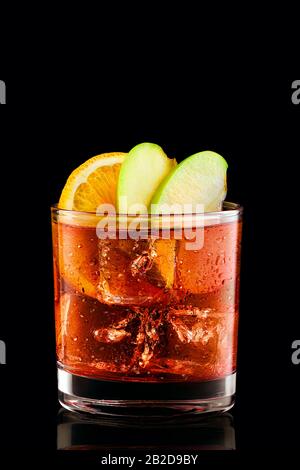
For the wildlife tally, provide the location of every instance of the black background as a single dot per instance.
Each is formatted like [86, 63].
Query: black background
[49, 126]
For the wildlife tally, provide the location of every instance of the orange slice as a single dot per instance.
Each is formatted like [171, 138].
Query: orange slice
[92, 183]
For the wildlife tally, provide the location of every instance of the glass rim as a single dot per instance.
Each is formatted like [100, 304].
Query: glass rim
[231, 209]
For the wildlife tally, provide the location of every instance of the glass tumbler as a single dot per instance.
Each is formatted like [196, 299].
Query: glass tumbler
[146, 320]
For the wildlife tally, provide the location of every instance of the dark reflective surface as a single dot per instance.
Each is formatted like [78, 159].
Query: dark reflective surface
[76, 431]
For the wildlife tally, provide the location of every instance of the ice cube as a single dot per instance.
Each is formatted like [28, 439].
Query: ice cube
[200, 341]
[150, 337]
[225, 299]
[93, 335]
[135, 272]
[191, 326]
[110, 335]
[116, 332]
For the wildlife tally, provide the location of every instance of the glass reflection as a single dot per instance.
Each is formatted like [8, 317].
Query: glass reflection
[78, 431]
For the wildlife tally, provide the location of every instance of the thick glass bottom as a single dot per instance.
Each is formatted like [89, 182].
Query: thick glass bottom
[141, 398]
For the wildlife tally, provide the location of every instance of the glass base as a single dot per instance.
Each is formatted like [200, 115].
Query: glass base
[119, 398]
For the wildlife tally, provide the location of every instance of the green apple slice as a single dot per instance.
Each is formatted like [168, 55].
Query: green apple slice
[199, 179]
[141, 173]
